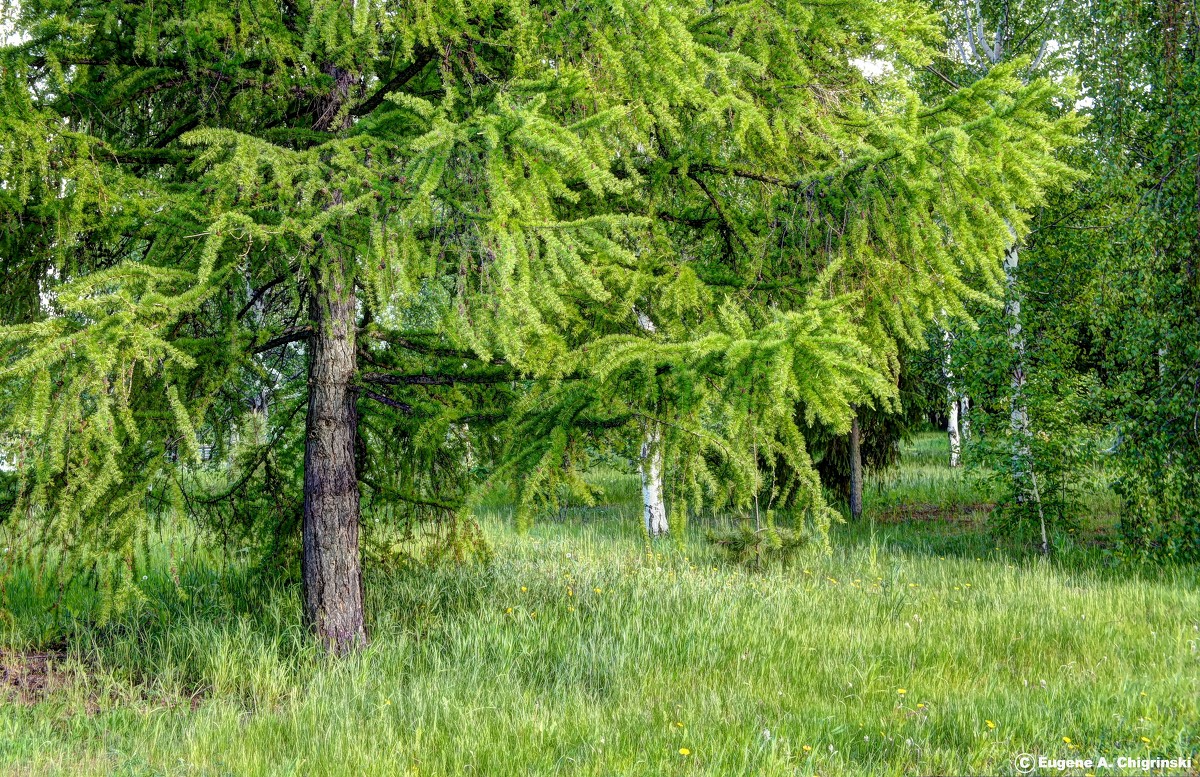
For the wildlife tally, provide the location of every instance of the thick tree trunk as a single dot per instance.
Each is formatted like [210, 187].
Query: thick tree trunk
[856, 471]
[650, 466]
[333, 595]
[650, 462]
[1024, 478]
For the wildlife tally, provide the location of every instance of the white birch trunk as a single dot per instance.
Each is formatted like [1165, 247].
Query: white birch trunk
[964, 416]
[650, 467]
[952, 430]
[650, 462]
[953, 405]
[1024, 477]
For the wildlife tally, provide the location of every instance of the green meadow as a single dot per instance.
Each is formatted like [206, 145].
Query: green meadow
[917, 646]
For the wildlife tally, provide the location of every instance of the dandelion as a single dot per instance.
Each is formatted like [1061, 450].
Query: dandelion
[678, 724]
[523, 588]
[570, 592]
[921, 706]
[990, 724]
[1146, 740]
[901, 691]
[1067, 740]
[508, 611]
[597, 590]
[808, 748]
[684, 751]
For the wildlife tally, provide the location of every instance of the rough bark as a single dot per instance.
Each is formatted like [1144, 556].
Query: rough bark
[333, 595]
[856, 471]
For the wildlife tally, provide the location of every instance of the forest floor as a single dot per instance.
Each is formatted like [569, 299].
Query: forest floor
[919, 646]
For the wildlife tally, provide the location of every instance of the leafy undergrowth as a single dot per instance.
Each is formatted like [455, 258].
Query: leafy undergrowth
[914, 648]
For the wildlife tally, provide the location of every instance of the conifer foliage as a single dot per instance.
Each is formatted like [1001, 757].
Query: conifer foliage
[434, 227]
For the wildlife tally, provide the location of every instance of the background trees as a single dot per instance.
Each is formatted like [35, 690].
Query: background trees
[1102, 288]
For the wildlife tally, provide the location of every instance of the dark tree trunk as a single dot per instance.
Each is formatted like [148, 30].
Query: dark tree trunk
[856, 471]
[333, 595]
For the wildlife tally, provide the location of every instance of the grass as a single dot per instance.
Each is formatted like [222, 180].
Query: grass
[581, 650]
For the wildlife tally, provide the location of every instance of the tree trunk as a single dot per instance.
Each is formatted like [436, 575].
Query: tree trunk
[333, 594]
[650, 463]
[952, 429]
[856, 471]
[650, 466]
[952, 403]
[1024, 479]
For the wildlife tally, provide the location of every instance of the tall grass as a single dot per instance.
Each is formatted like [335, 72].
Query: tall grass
[583, 650]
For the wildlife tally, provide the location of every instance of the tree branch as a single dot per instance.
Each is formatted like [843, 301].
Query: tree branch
[290, 336]
[400, 79]
[386, 400]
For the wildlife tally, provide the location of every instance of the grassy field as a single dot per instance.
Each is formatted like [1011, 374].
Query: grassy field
[917, 647]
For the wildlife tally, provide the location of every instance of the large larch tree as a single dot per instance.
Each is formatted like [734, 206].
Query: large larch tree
[440, 230]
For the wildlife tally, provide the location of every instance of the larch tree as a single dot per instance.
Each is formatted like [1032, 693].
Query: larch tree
[431, 227]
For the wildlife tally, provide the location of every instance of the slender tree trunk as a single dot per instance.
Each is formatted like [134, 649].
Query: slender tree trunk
[952, 429]
[333, 594]
[1024, 479]
[952, 403]
[856, 471]
[650, 466]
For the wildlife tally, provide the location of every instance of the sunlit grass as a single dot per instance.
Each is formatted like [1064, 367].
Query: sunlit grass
[583, 650]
